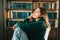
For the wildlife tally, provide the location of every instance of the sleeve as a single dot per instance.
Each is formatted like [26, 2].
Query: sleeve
[38, 25]
[34, 25]
[17, 24]
[26, 21]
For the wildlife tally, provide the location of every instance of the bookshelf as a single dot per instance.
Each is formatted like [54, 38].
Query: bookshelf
[16, 11]
[14, 8]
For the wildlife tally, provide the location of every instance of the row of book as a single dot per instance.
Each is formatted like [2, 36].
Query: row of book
[23, 15]
[52, 15]
[46, 5]
[16, 5]
[17, 15]
[19, 5]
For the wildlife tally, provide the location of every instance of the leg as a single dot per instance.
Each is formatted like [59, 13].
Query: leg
[19, 35]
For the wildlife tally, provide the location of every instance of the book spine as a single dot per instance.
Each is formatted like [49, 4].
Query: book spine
[55, 6]
[8, 15]
[11, 15]
[52, 5]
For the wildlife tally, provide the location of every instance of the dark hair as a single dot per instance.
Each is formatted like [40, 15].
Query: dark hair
[42, 10]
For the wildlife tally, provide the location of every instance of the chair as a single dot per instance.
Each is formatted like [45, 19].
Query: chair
[25, 37]
[45, 36]
[47, 33]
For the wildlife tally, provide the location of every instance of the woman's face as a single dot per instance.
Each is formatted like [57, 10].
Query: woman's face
[36, 13]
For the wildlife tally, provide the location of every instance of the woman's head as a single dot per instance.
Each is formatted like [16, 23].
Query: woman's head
[39, 12]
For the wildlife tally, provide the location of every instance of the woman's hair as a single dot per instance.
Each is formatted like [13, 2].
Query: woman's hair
[43, 12]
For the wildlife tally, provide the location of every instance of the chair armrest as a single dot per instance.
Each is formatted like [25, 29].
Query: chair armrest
[47, 33]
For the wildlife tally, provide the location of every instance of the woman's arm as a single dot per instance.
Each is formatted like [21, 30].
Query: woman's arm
[18, 23]
[27, 20]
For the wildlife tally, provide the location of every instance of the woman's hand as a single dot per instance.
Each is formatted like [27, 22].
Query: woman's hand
[14, 27]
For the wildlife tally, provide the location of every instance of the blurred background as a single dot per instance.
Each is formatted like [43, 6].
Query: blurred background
[13, 11]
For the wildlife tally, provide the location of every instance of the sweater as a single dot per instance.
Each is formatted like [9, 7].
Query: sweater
[35, 29]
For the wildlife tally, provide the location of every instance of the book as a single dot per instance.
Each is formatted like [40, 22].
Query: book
[9, 15]
[6, 14]
[55, 5]
[36, 5]
[49, 15]
[20, 5]
[52, 15]
[46, 5]
[25, 15]
[21, 15]
[15, 15]
[52, 6]
[28, 6]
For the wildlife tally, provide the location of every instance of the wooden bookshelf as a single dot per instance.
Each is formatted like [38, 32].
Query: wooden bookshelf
[51, 5]
[35, 3]
[8, 11]
[9, 8]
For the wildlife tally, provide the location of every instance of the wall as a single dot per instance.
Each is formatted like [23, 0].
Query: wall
[59, 23]
[1, 20]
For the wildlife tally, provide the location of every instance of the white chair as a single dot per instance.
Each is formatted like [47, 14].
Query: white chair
[47, 33]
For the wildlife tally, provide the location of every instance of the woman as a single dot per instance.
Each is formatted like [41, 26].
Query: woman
[34, 26]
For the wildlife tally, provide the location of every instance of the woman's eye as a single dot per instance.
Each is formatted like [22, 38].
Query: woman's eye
[36, 12]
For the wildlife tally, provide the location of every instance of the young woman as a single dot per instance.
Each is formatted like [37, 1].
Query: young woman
[34, 26]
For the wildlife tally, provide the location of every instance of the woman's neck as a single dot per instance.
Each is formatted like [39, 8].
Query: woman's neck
[37, 19]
